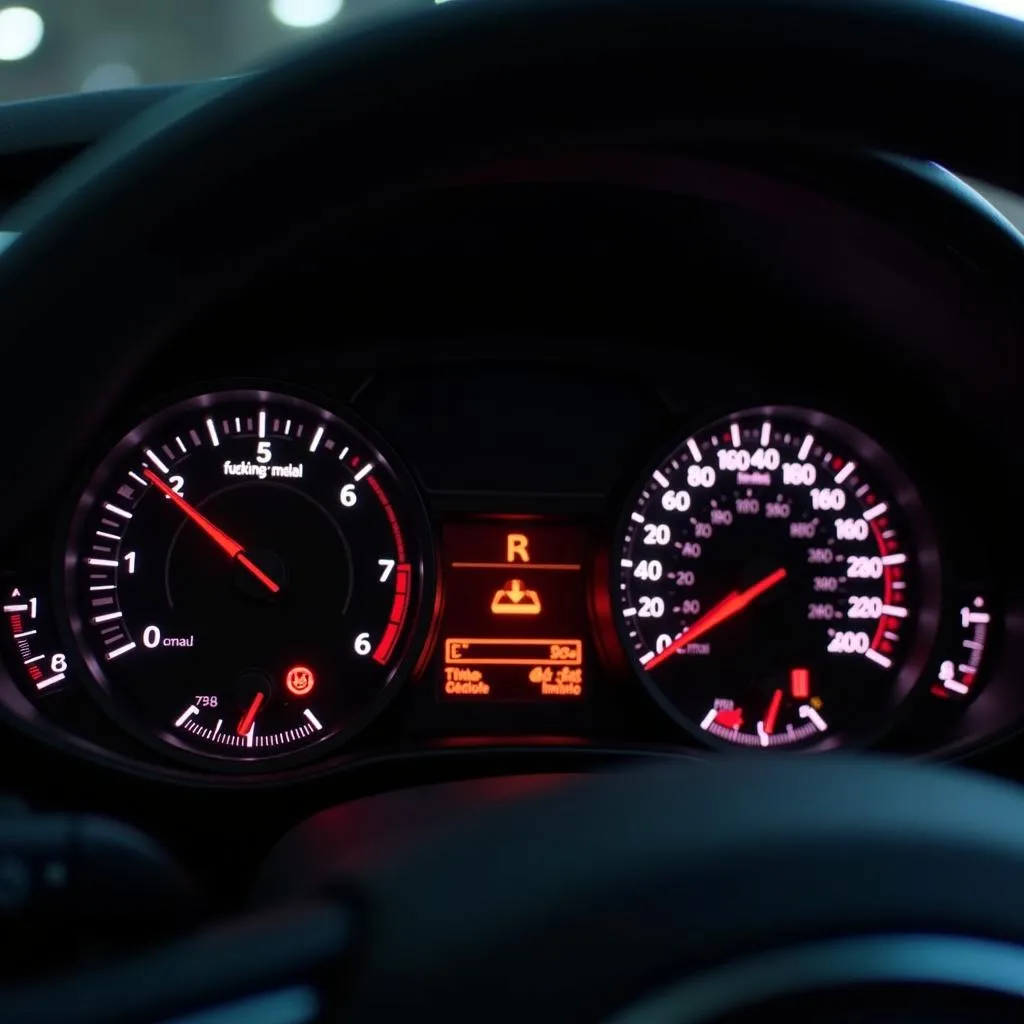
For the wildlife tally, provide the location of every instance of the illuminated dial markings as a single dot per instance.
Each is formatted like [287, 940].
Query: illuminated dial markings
[768, 580]
[243, 575]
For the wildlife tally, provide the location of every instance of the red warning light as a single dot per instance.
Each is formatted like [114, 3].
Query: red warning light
[800, 683]
[299, 681]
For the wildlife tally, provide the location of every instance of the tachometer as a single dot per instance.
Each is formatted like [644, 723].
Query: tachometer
[775, 582]
[244, 574]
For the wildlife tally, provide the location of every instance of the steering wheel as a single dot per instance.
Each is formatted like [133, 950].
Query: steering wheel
[810, 887]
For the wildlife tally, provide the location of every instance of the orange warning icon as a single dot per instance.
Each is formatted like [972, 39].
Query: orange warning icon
[515, 599]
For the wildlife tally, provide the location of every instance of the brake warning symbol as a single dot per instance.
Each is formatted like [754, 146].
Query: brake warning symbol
[515, 599]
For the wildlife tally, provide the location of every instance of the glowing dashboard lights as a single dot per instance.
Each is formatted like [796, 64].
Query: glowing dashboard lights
[513, 592]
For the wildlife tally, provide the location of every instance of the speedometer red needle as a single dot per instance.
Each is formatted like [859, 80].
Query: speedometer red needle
[773, 712]
[226, 543]
[250, 716]
[725, 609]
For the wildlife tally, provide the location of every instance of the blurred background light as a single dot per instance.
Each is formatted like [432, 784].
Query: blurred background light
[111, 75]
[21, 32]
[305, 13]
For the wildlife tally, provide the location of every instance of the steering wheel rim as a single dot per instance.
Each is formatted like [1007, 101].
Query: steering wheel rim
[108, 265]
[580, 902]
[108, 261]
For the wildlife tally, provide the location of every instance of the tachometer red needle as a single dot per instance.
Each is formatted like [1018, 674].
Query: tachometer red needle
[250, 716]
[725, 609]
[773, 712]
[226, 543]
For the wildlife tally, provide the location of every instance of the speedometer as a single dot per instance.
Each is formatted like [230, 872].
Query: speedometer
[244, 576]
[775, 582]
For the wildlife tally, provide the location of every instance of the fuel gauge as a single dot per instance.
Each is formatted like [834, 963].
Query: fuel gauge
[965, 654]
[29, 639]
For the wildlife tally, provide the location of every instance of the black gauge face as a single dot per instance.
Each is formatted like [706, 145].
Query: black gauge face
[775, 582]
[244, 573]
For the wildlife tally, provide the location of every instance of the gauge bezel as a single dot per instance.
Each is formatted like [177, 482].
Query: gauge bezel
[420, 540]
[921, 540]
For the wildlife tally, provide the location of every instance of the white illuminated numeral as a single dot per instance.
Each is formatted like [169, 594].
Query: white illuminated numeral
[845, 642]
[58, 663]
[348, 495]
[864, 607]
[700, 476]
[736, 459]
[675, 501]
[732, 459]
[828, 499]
[799, 474]
[386, 567]
[177, 485]
[129, 560]
[151, 636]
[651, 608]
[648, 569]
[861, 567]
[852, 529]
[766, 458]
[263, 452]
[657, 534]
[362, 644]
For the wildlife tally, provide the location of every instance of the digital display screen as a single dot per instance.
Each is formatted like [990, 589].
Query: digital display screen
[515, 611]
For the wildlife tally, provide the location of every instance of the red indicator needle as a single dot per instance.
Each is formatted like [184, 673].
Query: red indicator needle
[250, 716]
[226, 543]
[729, 606]
[773, 712]
[258, 573]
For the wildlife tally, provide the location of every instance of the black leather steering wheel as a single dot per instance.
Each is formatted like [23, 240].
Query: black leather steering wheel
[582, 903]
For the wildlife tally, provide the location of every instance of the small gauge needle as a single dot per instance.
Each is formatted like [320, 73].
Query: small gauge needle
[250, 716]
[226, 543]
[773, 712]
[725, 609]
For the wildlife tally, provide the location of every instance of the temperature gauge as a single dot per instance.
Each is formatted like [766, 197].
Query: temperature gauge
[958, 672]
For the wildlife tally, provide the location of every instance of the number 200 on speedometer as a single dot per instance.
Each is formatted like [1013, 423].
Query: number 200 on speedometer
[775, 582]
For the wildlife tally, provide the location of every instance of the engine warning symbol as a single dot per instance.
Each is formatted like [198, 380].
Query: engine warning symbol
[515, 599]
[299, 680]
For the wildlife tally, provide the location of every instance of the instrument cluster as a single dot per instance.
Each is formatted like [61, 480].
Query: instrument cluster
[255, 577]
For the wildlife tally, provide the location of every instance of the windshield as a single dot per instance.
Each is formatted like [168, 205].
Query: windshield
[68, 46]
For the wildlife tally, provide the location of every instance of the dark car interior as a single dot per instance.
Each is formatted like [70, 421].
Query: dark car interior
[512, 511]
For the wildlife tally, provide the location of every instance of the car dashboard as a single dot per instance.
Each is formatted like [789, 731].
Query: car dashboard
[556, 462]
